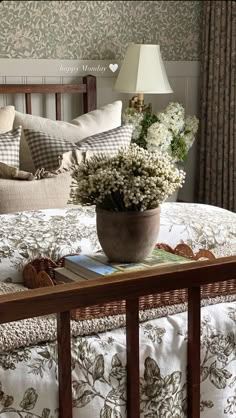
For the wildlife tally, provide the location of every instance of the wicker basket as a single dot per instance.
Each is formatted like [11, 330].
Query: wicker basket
[41, 272]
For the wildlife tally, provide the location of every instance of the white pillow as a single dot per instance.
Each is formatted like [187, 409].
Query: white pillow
[100, 120]
[7, 115]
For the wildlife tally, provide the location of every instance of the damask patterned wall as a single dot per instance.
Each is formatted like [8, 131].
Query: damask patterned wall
[98, 29]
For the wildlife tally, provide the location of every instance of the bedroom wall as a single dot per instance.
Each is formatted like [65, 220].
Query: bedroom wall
[98, 29]
[54, 36]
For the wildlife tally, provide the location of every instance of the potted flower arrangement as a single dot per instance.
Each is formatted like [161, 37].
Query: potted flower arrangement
[127, 190]
[167, 131]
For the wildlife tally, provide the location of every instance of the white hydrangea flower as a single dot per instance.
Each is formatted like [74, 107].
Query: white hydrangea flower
[191, 124]
[164, 118]
[158, 137]
[173, 117]
[150, 131]
[175, 109]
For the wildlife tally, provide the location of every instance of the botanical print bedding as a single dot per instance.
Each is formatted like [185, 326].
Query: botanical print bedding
[28, 376]
[57, 232]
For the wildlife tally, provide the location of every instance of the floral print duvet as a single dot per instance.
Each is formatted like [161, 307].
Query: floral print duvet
[28, 375]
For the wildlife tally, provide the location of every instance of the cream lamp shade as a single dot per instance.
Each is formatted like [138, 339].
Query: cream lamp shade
[143, 71]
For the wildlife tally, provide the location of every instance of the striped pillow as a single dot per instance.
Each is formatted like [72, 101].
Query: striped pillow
[109, 142]
[10, 147]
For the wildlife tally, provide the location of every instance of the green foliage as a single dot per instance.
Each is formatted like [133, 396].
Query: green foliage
[179, 148]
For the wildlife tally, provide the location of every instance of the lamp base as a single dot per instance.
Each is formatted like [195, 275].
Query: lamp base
[137, 102]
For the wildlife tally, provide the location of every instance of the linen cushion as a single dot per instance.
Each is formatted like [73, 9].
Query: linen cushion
[7, 115]
[108, 142]
[46, 149]
[10, 147]
[49, 193]
[108, 117]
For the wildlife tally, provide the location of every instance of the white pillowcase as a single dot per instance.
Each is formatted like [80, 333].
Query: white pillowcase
[99, 120]
[7, 115]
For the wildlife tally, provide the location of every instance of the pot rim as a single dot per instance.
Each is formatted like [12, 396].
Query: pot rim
[148, 212]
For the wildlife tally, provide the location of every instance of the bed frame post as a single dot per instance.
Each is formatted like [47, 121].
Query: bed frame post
[64, 365]
[132, 348]
[194, 354]
[90, 97]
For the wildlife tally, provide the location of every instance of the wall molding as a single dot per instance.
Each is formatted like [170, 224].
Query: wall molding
[67, 68]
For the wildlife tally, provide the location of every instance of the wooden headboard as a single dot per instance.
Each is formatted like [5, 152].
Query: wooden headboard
[87, 88]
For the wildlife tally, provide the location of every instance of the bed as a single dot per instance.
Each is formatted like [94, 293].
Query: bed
[35, 376]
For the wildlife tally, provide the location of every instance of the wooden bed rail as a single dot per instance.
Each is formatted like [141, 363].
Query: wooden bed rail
[61, 299]
[87, 88]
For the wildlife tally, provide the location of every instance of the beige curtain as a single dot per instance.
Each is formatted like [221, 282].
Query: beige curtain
[217, 145]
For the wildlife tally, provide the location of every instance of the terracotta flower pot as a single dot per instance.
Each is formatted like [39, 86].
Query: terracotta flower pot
[128, 236]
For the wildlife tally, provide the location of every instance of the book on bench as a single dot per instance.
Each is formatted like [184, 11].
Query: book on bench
[91, 266]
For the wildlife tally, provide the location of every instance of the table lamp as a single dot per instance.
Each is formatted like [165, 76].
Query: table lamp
[142, 71]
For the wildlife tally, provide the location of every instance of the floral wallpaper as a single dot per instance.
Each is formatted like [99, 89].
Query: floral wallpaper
[98, 29]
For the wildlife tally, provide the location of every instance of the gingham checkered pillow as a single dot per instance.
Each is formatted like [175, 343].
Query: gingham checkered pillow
[10, 147]
[46, 149]
[108, 142]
